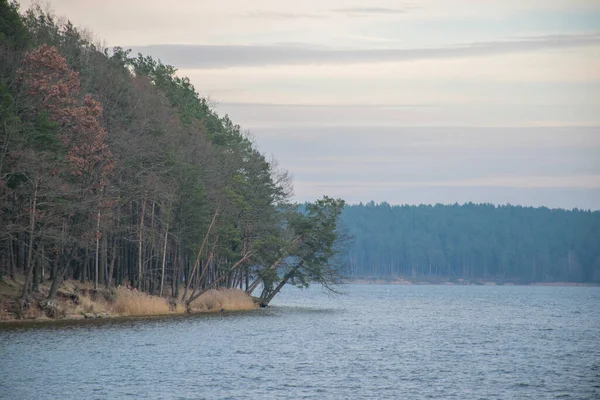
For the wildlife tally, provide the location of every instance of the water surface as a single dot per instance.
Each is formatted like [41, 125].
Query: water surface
[374, 342]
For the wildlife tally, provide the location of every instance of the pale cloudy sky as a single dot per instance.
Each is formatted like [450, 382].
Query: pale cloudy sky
[419, 101]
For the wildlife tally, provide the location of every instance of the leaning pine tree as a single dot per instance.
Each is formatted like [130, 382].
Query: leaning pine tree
[308, 254]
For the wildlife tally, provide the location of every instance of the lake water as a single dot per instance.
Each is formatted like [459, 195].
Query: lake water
[374, 342]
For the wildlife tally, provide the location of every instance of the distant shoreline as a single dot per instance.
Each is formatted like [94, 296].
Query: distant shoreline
[380, 281]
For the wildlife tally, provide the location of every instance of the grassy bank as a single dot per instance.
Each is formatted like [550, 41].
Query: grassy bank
[75, 300]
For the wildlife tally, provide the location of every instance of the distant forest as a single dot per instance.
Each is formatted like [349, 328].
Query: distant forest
[473, 242]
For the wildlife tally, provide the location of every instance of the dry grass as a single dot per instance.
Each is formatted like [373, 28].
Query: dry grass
[69, 286]
[115, 302]
[223, 299]
[133, 303]
[87, 305]
[33, 313]
[4, 310]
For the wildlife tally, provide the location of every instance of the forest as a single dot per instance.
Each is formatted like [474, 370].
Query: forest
[113, 170]
[473, 242]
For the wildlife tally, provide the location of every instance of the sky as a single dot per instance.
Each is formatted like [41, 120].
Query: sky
[409, 102]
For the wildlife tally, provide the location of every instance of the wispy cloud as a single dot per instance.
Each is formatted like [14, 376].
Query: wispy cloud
[363, 11]
[529, 123]
[264, 14]
[531, 182]
[349, 11]
[224, 56]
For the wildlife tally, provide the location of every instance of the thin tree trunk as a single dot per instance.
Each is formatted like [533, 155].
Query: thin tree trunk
[61, 271]
[55, 283]
[216, 281]
[61, 265]
[104, 257]
[84, 270]
[140, 247]
[12, 260]
[30, 250]
[265, 302]
[21, 253]
[201, 292]
[164, 260]
[43, 263]
[111, 269]
[190, 276]
[3, 262]
[247, 276]
[257, 281]
[97, 250]
[178, 268]
[152, 250]
[35, 287]
[284, 252]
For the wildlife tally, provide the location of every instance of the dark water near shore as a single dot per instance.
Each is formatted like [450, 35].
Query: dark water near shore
[377, 341]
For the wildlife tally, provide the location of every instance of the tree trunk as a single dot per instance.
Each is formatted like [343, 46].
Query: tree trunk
[35, 287]
[247, 277]
[140, 246]
[265, 302]
[111, 269]
[12, 260]
[164, 260]
[284, 252]
[152, 250]
[197, 263]
[178, 268]
[21, 253]
[195, 295]
[30, 250]
[104, 257]
[97, 250]
[42, 265]
[84, 270]
[55, 283]
[61, 269]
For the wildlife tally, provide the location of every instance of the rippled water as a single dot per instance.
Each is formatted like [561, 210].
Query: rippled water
[377, 341]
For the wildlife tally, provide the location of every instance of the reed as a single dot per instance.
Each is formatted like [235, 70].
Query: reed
[129, 302]
[223, 299]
